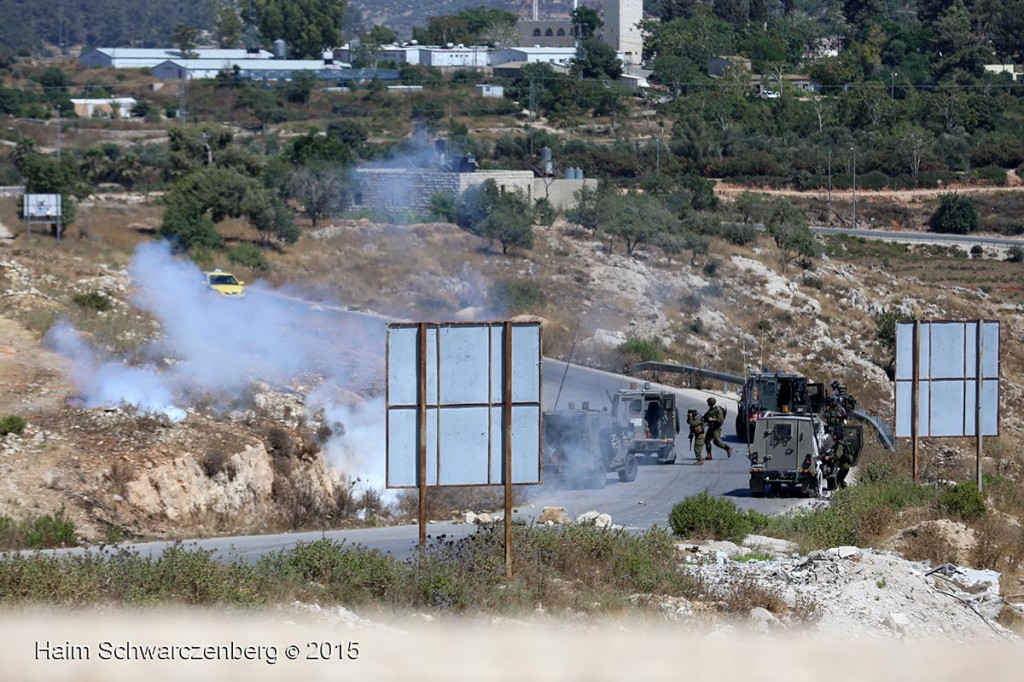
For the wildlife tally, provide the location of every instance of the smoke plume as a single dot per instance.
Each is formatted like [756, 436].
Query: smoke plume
[216, 346]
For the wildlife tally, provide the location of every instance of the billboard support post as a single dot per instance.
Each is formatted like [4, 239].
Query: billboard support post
[421, 432]
[506, 437]
[978, 383]
[915, 401]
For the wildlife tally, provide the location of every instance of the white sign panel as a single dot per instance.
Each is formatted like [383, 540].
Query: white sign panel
[948, 378]
[42, 206]
[465, 408]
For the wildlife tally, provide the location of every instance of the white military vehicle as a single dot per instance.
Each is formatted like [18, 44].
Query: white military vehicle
[795, 450]
[648, 420]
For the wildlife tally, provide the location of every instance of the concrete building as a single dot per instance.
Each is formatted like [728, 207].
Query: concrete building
[412, 188]
[622, 28]
[272, 69]
[112, 107]
[447, 57]
[717, 66]
[143, 58]
[532, 55]
[546, 33]
[487, 90]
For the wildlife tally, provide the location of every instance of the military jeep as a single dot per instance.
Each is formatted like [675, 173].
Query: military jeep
[775, 392]
[649, 421]
[582, 446]
[793, 450]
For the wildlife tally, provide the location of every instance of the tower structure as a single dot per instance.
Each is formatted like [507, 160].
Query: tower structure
[622, 28]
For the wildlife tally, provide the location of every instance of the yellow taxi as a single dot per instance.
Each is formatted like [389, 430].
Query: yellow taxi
[224, 283]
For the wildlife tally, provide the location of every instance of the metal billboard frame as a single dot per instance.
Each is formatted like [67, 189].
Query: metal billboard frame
[454, 390]
[42, 208]
[957, 363]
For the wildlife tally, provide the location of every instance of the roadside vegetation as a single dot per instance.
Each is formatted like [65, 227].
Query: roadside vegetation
[584, 569]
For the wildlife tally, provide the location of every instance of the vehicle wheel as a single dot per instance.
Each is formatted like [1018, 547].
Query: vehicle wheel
[667, 455]
[742, 430]
[629, 470]
[756, 486]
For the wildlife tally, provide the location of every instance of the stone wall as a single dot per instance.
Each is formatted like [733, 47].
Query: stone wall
[411, 188]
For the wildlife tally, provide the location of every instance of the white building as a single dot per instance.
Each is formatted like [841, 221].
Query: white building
[487, 90]
[531, 55]
[111, 107]
[144, 58]
[443, 57]
[275, 69]
[398, 54]
[622, 28]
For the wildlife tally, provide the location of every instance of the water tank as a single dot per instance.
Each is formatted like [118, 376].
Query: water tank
[545, 154]
[579, 173]
[569, 173]
[279, 49]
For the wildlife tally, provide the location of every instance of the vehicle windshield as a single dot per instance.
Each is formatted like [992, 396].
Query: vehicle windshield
[217, 280]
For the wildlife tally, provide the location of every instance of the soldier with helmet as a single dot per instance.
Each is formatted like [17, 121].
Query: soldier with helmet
[846, 401]
[834, 415]
[696, 425]
[714, 418]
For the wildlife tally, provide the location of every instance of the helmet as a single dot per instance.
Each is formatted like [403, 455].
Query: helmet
[711, 401]
[836, 385]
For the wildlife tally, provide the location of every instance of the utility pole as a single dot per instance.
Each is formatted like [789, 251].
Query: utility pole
[854, 187]
[830, 184]
[657, 156]
[181, 97]
[60, 121]
[533, 104]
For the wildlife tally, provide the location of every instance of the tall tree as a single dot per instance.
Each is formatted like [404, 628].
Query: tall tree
[228, 26]
[185, 37]
[307, 26]
[586, 21]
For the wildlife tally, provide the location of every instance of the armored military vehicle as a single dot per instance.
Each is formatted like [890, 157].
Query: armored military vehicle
[649, 421]
[775, 392]
[794, 450]
[582, 446]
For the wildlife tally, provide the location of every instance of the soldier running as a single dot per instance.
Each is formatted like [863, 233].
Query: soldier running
[714, 418]
[696, 424]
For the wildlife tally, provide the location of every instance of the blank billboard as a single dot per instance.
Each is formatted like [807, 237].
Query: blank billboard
[464, 366]
[948, 376]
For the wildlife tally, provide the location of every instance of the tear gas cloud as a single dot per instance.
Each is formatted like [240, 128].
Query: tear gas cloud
[216, 345]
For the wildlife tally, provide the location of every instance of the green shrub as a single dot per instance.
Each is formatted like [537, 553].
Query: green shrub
[705, 516]
[442, 206]
[1015, 254]
[741, 235]
[644, 349]
[11, 423]
[963, 500]
[956, 214]
[248, 256]
[520, 296]
[93, 300]
[991, 175]
[49, 531]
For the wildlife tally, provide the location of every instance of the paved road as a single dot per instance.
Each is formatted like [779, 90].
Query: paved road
[923, 237]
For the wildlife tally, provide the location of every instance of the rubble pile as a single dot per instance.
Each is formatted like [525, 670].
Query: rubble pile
[861, 593]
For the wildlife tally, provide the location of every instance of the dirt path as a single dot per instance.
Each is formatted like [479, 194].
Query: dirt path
[729, 191]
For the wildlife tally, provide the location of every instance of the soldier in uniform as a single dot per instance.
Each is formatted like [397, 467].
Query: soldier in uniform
[840, 461]
[835, 415]
[846, 401]
[714, 418]
[696, 424]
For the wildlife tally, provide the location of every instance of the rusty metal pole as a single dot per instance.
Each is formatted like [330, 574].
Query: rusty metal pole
[915, 400]
[506, 432]
[977, 399]
[421, 415]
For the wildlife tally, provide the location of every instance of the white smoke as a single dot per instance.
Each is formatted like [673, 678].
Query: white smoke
[216, 345]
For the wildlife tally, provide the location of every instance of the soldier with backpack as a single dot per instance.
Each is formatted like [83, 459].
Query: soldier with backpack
[696, 425]
[714, 418]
